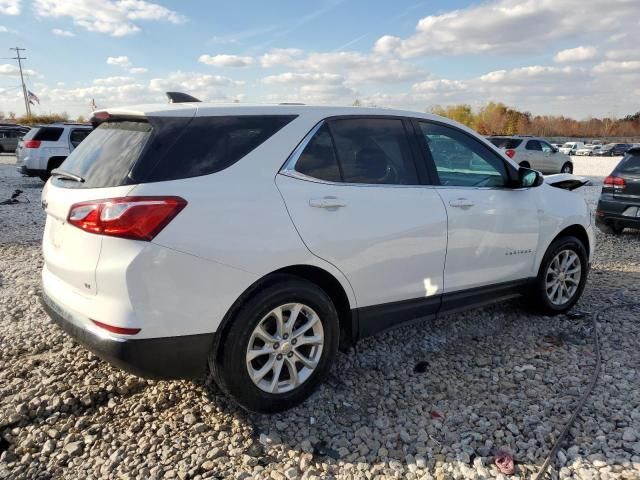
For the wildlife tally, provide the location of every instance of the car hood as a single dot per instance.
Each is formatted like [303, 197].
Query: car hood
[566, 181]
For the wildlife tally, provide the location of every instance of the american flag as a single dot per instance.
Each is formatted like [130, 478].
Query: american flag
[32, 97]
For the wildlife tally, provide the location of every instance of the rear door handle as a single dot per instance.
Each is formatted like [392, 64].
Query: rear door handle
[461, 203]
[327, 202]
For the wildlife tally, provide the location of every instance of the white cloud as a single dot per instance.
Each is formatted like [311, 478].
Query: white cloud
[112, 17]
[280, 56]
[198, 84]
[226, 60]
[303, 78]
[121, 61]
[10, 70]
[116, 80]
[578, 54]
[3, 29]
[62, 33]
[511, 26]
[614, 67]
[10, 7]
[138, 70]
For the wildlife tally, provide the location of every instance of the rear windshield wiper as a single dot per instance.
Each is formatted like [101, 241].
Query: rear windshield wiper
[66, 175]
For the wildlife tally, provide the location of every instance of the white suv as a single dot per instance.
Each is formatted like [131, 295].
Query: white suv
[534, 152]
[251, 242]
[44, 148]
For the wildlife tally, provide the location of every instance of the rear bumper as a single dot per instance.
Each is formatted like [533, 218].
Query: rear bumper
[610, 212]
[29, 172]
[166, 358]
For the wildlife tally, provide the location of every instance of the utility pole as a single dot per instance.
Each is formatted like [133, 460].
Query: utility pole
[24, 88]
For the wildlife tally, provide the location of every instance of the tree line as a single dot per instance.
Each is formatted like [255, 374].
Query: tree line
[500, 119]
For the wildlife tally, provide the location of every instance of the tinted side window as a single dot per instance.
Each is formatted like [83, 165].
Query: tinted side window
[533, 145]
[546, 147]
[460, 160]
[48, 134]
[78, 136]
[318, 159]
[374, 151]
[210, 144]
[507, 143]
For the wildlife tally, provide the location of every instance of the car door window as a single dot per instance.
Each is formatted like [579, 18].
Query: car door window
[546, 148]
[533, 145]
[78, 136]
[461, 160]
[374, 151]
[318, 159]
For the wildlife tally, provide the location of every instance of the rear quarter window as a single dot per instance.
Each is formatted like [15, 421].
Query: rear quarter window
[506, 143]
[630, 163]
[48, 134]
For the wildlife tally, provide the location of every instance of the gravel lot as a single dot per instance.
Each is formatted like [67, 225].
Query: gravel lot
[494, 378]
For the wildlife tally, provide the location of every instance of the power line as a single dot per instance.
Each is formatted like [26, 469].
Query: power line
[19, 58]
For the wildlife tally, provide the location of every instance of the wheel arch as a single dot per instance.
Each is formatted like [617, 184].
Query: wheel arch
[574, 230]
[322, 278]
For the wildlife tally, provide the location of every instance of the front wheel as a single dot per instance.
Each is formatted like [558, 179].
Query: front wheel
[279, 347]
[567, 168]
[562, 276]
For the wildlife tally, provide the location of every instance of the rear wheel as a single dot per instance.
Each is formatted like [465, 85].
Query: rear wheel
[279, 347]
[567, 168]
[562, 276]
[525, 164]
[613, 228]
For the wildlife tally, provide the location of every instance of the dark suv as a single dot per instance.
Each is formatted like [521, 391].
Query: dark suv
[613, 149]
[619, 204]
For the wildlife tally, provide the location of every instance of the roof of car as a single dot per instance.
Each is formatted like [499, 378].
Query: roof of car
[214, 109]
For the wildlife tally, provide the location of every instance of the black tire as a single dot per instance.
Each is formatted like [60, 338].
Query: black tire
[538, 297]
[228, 365]
[566, 168]
[525, 164]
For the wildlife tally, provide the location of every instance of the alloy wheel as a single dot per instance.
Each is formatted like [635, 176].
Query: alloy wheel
[285, 348]
[563, 277]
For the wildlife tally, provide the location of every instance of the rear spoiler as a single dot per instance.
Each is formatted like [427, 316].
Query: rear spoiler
[180, 97]
[566, 181]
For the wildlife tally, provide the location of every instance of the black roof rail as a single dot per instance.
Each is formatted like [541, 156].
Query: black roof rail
[291, 103]
[180, 97]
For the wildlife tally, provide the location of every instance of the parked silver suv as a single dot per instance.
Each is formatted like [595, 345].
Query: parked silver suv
[534, 152]
[44, 148]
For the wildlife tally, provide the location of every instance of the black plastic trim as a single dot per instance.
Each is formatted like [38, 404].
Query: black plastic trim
[167, 358]
[378, 318]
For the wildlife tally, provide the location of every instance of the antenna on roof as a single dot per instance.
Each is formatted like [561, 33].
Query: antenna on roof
[179, 97]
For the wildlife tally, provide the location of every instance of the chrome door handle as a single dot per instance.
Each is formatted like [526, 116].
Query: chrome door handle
[461, 203]
[327, 202]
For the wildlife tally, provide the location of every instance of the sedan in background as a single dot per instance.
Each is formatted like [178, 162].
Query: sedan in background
[619, 204]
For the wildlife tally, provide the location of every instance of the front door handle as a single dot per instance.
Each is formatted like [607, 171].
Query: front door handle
[461, 203]
[327, 202]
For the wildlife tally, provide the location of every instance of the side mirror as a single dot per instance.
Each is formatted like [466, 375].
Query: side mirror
[554, 150]
[529, 178]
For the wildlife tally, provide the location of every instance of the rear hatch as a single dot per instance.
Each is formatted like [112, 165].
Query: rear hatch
[20, 149]
[103, 162]
[629, 170]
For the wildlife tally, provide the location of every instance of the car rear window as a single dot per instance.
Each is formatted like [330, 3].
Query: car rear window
[630, 163]
[506, 143]
[48, 134]
[165, 148]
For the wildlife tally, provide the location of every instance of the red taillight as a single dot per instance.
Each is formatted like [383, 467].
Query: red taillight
[615, 182]
[120, 330]
[32, 144]
[136, 218]
[510, 152]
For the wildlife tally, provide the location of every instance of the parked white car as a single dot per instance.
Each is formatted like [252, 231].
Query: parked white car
[570, 148]
[44, 148]
[587, 150]
[250, 242]
[534, 152]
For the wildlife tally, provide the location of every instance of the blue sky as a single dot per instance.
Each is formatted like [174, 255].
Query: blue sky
[545, 56]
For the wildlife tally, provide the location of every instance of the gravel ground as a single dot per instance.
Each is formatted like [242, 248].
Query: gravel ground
[494, 378]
